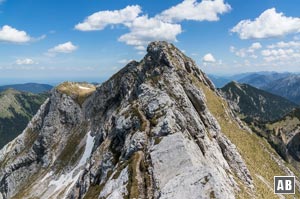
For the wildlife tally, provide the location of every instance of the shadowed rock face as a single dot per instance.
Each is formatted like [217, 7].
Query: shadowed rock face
[147, 132]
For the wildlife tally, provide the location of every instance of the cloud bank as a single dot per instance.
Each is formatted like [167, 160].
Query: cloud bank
[208, 58]
[163, 26]
[10, 34]
[269, 24]
[67, 47]
[196, 11]
[26, 61]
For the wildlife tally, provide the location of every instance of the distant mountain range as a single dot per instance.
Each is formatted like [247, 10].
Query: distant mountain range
[255, 104]
[220, 81]
[283, 84]
[28, 87]
[16, 110]
[256, 79]
[263, 80]
[286, 85]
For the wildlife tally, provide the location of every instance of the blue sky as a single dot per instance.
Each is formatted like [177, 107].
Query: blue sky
[89, 40]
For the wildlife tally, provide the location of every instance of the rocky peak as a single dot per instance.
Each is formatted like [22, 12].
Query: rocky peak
[156, 129]
[161, 52]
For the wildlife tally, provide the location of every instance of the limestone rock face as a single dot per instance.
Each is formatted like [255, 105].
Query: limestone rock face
[147, 132]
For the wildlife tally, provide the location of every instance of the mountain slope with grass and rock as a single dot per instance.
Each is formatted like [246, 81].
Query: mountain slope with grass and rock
[156, 129]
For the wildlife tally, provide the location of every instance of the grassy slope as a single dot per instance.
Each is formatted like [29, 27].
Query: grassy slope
[255, 151]
[16, 110]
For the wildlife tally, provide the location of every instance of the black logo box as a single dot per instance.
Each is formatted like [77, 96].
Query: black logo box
[284, 180]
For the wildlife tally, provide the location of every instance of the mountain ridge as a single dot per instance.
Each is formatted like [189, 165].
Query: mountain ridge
[283, 84]
[120, 135]
[16, 110]
[287, 87]
[256, 104]
[28, 87]
[262, 79]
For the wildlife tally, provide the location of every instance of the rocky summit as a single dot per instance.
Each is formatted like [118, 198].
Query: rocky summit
[156, 129]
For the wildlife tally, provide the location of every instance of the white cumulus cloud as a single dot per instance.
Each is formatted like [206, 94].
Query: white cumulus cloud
[269, 24]
[277, 52]
[282, 55]
[206, 10]
[247, 52]
[10, 34]
[144, 29]
[208, 58]
[284, 52]
[165, 26]
[67, 47]
[99, 20]
[25, 61]
[282, 44]
[255, 46]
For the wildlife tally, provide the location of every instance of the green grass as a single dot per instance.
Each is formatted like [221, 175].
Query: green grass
[26, 189]
[254, 150]
[93, 191]
[133, 185]
[143, 123]
[73, 90]
[134, 164]
[71, 152]
[157, 140]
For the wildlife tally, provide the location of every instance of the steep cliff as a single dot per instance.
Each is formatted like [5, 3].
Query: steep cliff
[156, 129]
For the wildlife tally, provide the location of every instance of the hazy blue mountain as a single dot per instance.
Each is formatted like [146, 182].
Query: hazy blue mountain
[28, 87]
[256, 79]
[262, 79]
[288, 87]
[219, 81]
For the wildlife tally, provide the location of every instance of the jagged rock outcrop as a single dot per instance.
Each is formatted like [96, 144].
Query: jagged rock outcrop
[148, 132]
